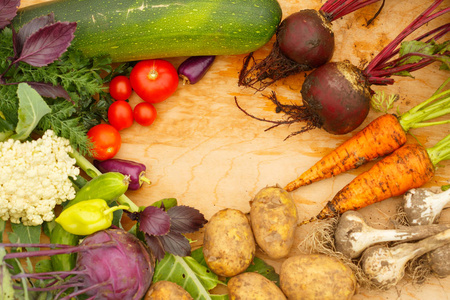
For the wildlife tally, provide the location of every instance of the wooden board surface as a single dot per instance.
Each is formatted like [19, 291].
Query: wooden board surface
[206, 153]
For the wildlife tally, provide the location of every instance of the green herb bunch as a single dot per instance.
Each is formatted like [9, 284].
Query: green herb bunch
[72, 86]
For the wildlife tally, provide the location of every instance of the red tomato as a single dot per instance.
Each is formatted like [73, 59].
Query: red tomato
[154, 80]
[144, 113]
[106, 140]
[120, 88]
[120, 114]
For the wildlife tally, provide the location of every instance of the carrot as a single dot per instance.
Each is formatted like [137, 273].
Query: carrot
[410, 166]
[382, 136]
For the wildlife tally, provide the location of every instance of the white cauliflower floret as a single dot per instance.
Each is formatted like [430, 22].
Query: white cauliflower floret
[34, 178]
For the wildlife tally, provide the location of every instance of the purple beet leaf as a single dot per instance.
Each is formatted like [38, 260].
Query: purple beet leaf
[31, 27]
[51, 91]
[8, 10]
[185, 219]
[154, 221]
[47, 44]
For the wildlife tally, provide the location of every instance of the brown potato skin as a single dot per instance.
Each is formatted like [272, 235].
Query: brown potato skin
[228, 243]
[253, 286]
[316, 276]
[166, 290]
[273, 216]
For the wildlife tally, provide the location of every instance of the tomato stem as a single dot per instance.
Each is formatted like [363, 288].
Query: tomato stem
[153, 74]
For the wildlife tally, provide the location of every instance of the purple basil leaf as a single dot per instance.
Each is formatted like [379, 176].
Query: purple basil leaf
[155, 246]
[51, 91]
[16, 43]
[176, 243]
[31, 27]
[47, 44]
[8, 10]
[154, 221]
[185, 219]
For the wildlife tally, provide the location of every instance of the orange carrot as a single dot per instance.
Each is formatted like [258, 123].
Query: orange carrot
[382, 136]
[408, 167]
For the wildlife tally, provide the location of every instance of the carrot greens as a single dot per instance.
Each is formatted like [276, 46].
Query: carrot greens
[39, 55]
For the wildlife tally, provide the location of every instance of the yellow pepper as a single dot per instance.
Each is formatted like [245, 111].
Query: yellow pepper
[87, 217]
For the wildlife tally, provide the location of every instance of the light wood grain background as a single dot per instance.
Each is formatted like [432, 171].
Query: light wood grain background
[206, 153]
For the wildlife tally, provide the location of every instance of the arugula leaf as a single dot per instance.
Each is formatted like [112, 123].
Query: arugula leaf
[32, 108]
[195, 278]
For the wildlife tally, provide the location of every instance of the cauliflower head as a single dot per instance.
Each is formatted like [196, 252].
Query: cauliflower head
[35, 177]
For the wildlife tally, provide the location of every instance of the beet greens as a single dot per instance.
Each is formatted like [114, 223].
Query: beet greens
[304, 41]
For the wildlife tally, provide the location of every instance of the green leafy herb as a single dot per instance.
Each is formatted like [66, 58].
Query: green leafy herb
[380, 103]
[196, 279]
[260, 266]
[79, 76]
[31, 109]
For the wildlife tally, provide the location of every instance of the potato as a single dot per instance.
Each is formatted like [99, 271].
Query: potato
[316, 276]
[253, 286]
[228, 243]
[273, 217]
[166, 290]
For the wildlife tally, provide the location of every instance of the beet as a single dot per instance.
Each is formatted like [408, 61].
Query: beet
[336, 96]
[307, 38]
[304, 41]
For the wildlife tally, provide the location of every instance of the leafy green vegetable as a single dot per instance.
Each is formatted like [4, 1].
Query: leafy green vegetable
[194, 277]
[78, 75]
[166, 203]
[414, 51]
[6, 287]
[380, 103]
[31, 109]
[258, 265]
[27, 234]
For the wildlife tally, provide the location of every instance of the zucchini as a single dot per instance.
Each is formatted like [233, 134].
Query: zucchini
[131, 30]
[108, 186]
[63, 262]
